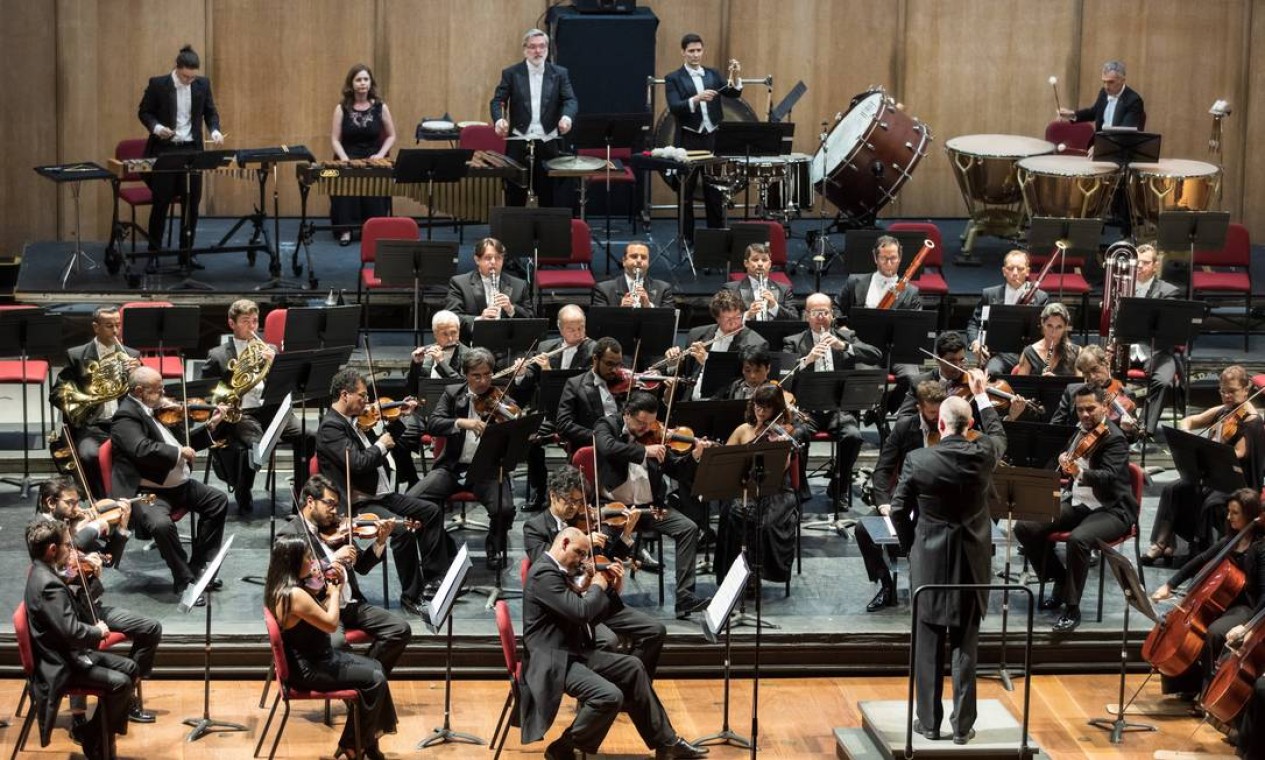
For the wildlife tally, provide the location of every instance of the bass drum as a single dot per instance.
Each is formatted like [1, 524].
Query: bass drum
[734, 109]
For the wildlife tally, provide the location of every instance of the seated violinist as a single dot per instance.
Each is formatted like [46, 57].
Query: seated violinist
[149, 458]
[324, 527]
[728, 334]
[589, 397]
[1194, 511]
[567, 507]
[99, 538]
[352, 461]
[632, 459]
[1015, 268]
[1092, 366]
[767, 419]
[1241, 547]
[460, 418]
[1098, 504]
[949, 373]
[764, 299]
[1055, 353]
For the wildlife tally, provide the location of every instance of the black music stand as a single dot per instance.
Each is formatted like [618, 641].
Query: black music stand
[185, 163]
[1207, 462]
[206, 724]
[606, 131]
[528, 231]
[751, 471]
[747, 139]
[1191, 231]
[1135, 597]
[162, 328]
[1035, 445]
[438, 614]
[841, 390]
[429, 390]
[268, 160]
[1082, 237]
[315, 327]
[29, 334]
[1027, 493]
[901, 334]
[306, 375]
[502, 448]
[549, 390]
[725, 249]
[415, 165]
[75, 174]
[776, 331]
[858, 249]
[654, 330]
[1046, 391]
[720, 369]
[416, 263]
[714, 419]
[721, 608]
[1012, 328]
[508, 337]
[1126, 146]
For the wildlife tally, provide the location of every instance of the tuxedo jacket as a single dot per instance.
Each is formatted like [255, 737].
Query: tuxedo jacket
[557, 98]
[334, 436]
[615, 452]
[580, 408]
[861, 356]
[785, 299]
[679, 86]
[530, 378]
[906, 436]
[466, 298]
[1129, 110]
[449, 370]
[139, 448]
[366, 560]
[1161, 289]
[61, 642]
[1108, 474]
[76, 369]
[557, 631]
[158, 106]
[453, 405]
[992, 296]
[947, 486]
[746, 338]
[611, 292]
[858, 286]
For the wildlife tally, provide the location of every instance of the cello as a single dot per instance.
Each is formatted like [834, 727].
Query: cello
[1231, 688]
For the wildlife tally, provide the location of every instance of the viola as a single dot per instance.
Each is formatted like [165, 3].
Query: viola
[80, 565]
[385, 408]
[365, 527]
[969, 434]
[111, 510]
[1230, 422]
[173, 413]
[1085, 446]
[1230, 689]
[1120, 408]
[679, 439]
[1000, 393]
[496, 407]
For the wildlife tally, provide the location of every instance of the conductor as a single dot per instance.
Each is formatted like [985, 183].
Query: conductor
[940, 510]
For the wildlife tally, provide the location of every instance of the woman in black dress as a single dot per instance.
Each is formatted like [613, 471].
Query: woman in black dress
[306, 607]
[1054, 354]
[362, 129]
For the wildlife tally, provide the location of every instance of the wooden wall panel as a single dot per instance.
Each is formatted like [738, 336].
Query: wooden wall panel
[28, 137]
[979, 66]
[1251, 112]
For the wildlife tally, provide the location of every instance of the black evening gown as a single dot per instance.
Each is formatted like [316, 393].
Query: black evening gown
[361, 138]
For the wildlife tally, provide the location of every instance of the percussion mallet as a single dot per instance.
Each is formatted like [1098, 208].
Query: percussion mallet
[1058, 107]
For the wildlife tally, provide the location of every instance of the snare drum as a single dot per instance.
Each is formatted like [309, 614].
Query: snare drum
[986, 168]
[1170, 184]
[870, 152]
[793, 193]
[1070, 187]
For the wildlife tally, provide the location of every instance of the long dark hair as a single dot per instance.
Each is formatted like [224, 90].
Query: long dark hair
[349, 95]
[285, 571]
[1249, 500]
[766, 395]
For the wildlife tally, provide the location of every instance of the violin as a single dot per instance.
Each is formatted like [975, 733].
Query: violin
[1120, 408]
[970, 434]
[1000, 393]
[1230, 422]
[385, 408]
[615, 514]
[173, 413]
[679, 439]
[80, 565]
[627, 380]
[111, 510]
[496, 407]
[366, 528]
[1084, 448]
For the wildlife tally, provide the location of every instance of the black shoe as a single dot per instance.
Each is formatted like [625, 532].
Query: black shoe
[886, 597]
[930, 733]
[245, 506]
[151, 266]
[964, 738]
[1068, 622]
[195, 264]
[77, 722]
[430, 589]
[560, 749]
[495, 562]
[679, 749]
[374, 752]
[344, 240]
[1052, 602]
[138, 715]
[411, 605]
[215, 585]
[689, 603]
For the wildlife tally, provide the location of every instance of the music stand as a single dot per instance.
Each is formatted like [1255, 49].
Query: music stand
[1191, 231]
[162, 328]
[438, 613]
[266, 450]
[653, 329]
[549, 390]
[185, 163]
[1200, 460]
[718, 615]
[526, 232]
[1035, 445]
[716, 249]
[415, 263]
[1082, 236]
[507, 337]
[720, 369]
[429, 390]
[715, 418]
[76, 174]
[206, 724]
[502, 448]
[315, 327]
[1046, 391]
[605, 131]
[1031, 494]
[1126, 146]
[901, 334]
[747, 139]
[1160, 323]
[29, 334]
[306, 375]
[414, 165]
[776, 331]
[1135, 597]
[858, 249]
[750, 471]
[1012, 328]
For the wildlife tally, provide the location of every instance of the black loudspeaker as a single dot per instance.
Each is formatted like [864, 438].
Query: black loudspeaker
[609, 57]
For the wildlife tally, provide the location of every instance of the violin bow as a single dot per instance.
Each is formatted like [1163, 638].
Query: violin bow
[1226, 415]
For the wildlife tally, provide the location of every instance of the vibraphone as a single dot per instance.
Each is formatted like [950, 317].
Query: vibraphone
[468, 199]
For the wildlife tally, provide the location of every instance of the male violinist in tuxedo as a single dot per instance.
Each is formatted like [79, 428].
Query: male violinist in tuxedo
[589, 397]
[1095, 371]
[951, 348]
[421, 556]
[321, 522]
[488, 292]
[763, 298]
[1015, 269]
[694, 94]
[566, 502]
[534, 99]
[1098, 504]
[634, 287]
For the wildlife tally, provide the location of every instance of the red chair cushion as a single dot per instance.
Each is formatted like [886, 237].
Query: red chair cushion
[114, 639]
[356, 636]
[565, 278]
[369, 279]
[136, 195]
[932, 284]
[11, 371]
[1066, 283]
[460, 496]
[1231, 282]
[169, 367]
[1258, 381]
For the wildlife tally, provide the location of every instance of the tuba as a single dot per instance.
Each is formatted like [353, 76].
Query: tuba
[107, 381]
[1120, 265]
[245, 372]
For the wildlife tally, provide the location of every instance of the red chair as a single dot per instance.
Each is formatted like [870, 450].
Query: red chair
[375, 229]
[481, 137]
[576, 275]
[1075, 136]
[1137, 481]
[930, 280]
[1233, 279]
[168, 363]
[275, 328]
[134, 192]
[584, 461]
[513, 668]
[24, 372]
[462, 498]
[775, 237]
[105, 461]
[291, 694]
[26, 654]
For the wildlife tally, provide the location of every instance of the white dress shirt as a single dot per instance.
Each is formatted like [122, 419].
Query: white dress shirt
[879, 285]
[384, 480]
[471, 442]
[1081, 493]
[696, 75]
[1109, 113]
[179, 472]
[184, 111]
[635, 491]
[1010, 296]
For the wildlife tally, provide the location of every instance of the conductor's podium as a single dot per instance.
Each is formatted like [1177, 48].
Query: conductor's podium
[882, 734]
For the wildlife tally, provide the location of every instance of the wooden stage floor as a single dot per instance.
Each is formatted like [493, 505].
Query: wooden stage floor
[796, 719]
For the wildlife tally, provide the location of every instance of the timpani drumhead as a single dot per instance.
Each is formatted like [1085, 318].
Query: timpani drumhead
[1067, 166]
[1000, 146]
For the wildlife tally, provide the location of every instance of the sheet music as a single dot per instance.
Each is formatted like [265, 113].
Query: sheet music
[440, 605]
[727, 596]
[260, 452]
[891, 528]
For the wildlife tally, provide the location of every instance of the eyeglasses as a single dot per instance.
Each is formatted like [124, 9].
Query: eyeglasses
[819, 313]
[329, 502]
